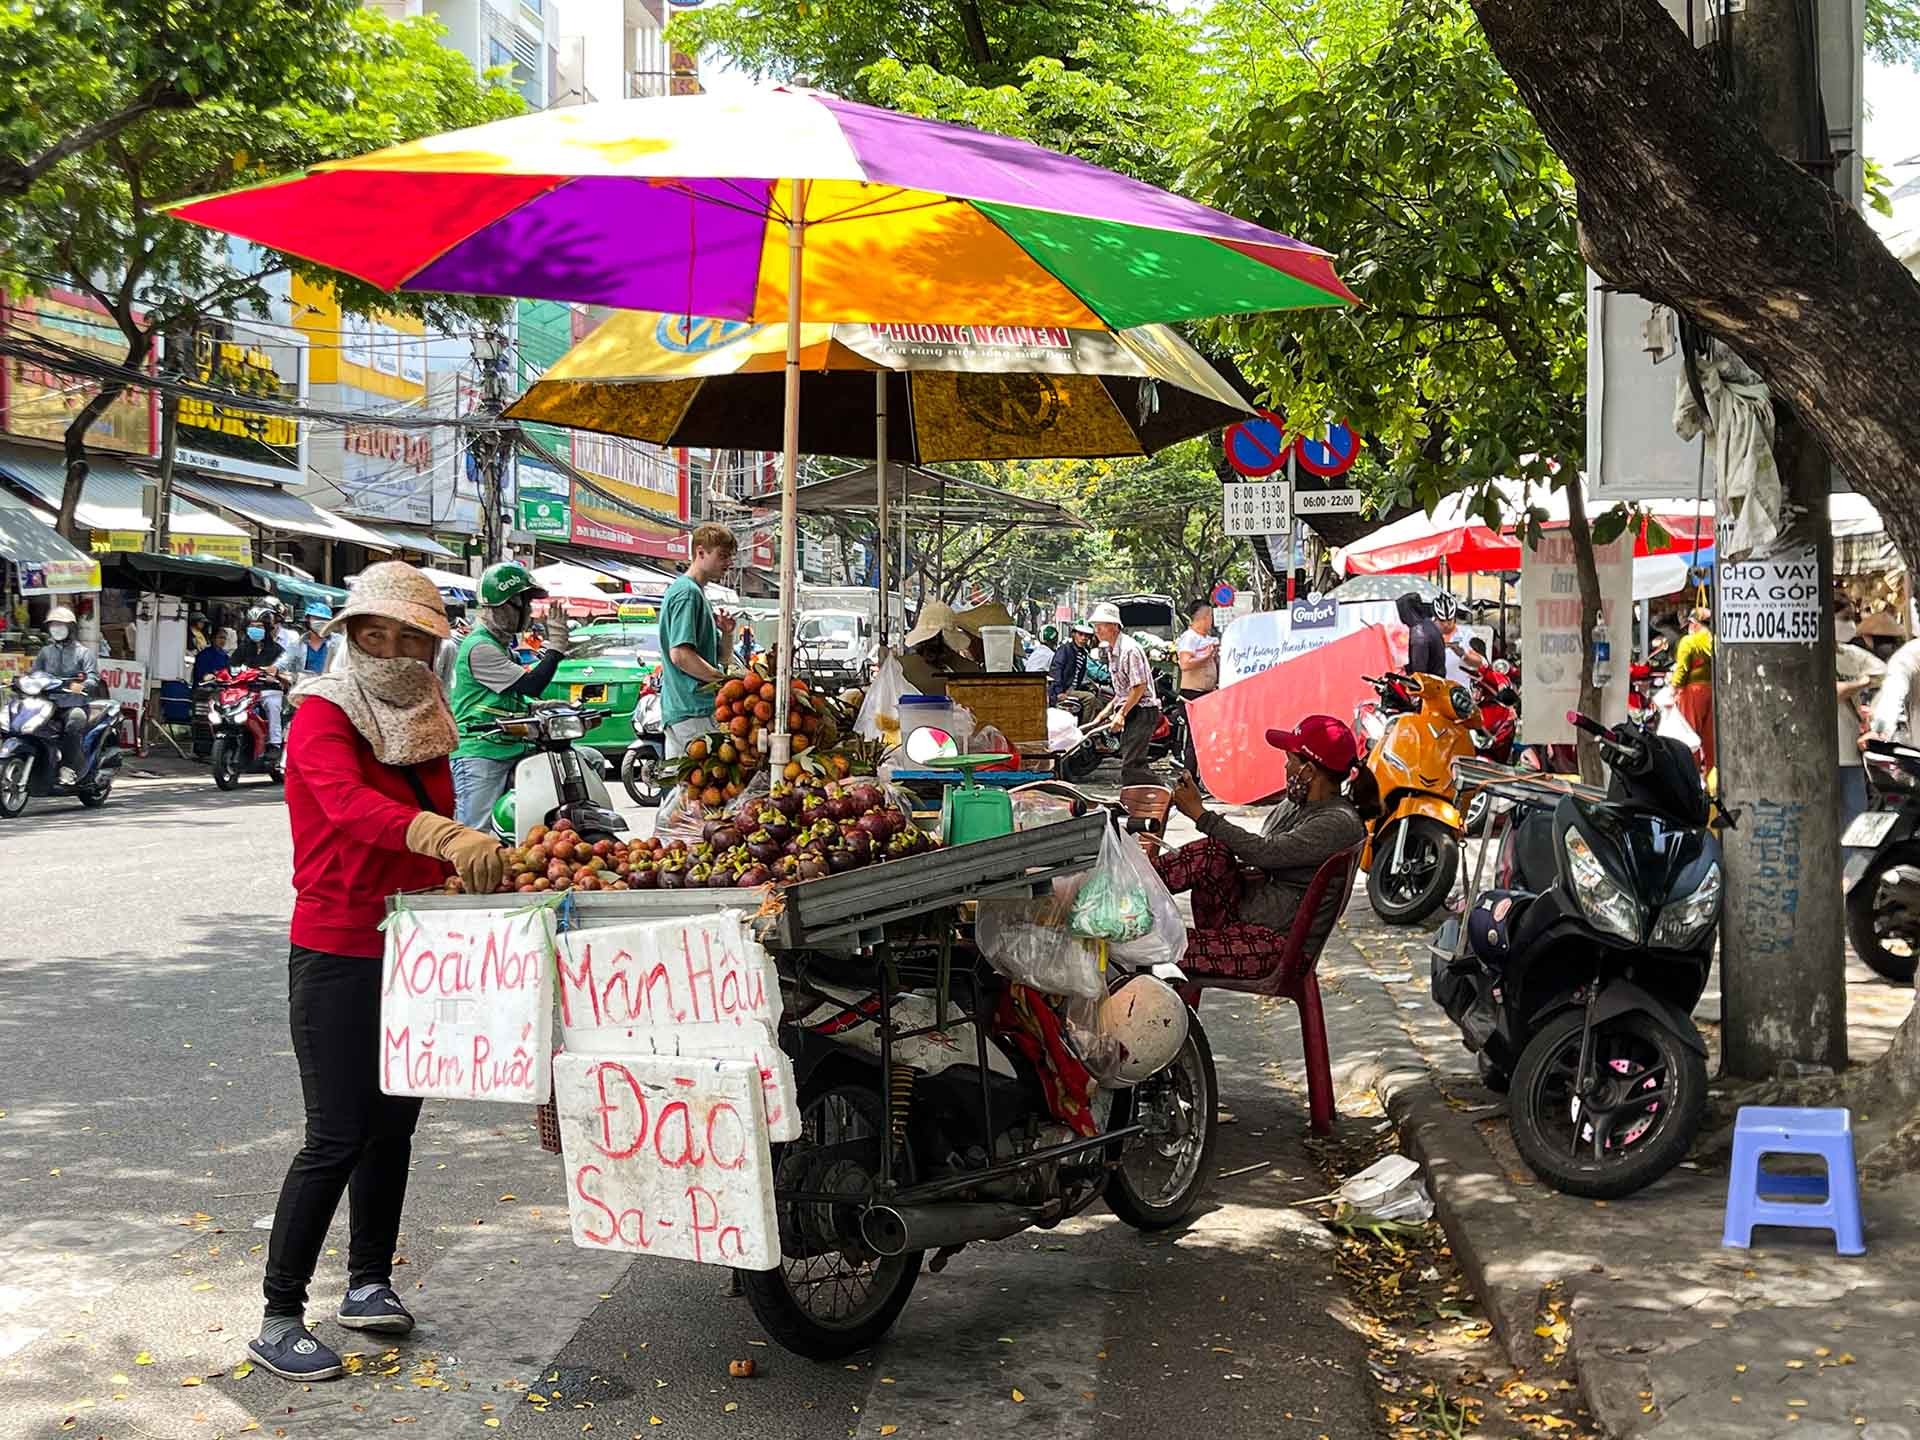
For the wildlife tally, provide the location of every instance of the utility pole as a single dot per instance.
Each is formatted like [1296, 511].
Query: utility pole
[1782, 979]
[489, 447]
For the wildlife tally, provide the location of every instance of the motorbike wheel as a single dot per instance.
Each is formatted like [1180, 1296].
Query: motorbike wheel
[226, 762]
[1433, 860]
[16, 786]
[639, 773]
[1883, 913]
[1081, 764]
[1477, 812]
[1647, 1110]
[1163, 1174]
[831, 1295]
[95, 795]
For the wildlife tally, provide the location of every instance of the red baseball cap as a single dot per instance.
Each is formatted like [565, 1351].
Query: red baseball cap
[1322, 739]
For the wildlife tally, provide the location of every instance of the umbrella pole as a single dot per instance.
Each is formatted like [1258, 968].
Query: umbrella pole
[880, 485]
[782, 742]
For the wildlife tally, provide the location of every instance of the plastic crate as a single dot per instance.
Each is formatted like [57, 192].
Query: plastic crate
[1014, 704]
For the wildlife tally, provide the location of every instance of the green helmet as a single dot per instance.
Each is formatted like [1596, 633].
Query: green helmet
[505, 817]
[507, 581]
[1050, 634]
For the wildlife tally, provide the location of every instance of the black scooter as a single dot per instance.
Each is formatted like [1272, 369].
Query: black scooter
[1574, 978]
[1882, 855]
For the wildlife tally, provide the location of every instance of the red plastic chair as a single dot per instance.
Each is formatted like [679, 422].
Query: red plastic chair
[1293, 977]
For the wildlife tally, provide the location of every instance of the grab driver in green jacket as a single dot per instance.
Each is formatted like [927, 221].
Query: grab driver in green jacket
[489, 685]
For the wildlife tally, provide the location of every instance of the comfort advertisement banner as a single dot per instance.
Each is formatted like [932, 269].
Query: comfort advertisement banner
[1257, 642]
[1230, 725]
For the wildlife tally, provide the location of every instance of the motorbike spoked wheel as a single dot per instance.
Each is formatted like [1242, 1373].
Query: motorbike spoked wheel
[640, 773]
[16, 786]
[226, 762]
[95, 795]
[1648, 1094]
[831, 1295]
[1883, 913]
[1163, 1174]
[1422, 884]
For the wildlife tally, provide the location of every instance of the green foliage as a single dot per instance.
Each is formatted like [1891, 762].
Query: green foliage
[1893, 31]
[94, 219]
[1414, 160]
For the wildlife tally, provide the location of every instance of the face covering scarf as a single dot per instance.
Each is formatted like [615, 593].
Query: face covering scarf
[396, 705]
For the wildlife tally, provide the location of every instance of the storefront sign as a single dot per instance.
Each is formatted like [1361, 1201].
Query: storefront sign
[1775, 601]
[237, 548]
[229, 438]
[126, 682]
[58, 577]
[1553, 642]
[544, 507]
[40, 402]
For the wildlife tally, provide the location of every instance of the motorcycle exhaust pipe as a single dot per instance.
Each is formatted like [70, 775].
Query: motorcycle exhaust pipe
[897, 1229]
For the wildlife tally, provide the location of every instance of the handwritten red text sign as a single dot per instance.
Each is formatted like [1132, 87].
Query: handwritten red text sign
[698, 970]
[466, 1005]
[667, 1157]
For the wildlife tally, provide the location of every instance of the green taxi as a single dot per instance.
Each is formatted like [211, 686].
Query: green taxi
[609, 662]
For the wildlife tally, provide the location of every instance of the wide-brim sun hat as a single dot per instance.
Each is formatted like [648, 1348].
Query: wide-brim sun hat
[937, 619]
[1105, 614]
[394, 590]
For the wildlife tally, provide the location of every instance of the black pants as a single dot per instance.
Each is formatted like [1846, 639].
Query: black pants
[73, 735]
[358, 1140]
[1142, 721]
[1187, 755]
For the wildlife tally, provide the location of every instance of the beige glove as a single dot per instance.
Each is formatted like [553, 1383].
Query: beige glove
[559, 632]
[475, 857]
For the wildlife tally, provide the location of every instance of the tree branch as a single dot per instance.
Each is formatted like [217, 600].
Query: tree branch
[17, 176]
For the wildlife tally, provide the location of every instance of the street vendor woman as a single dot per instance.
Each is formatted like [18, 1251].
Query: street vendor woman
[490, 685]
[368, 791]
[1247, 886]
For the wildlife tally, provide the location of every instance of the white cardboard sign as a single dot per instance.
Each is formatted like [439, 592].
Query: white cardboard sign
[466, 1005]
[667, 1157]
[678, 987]
[1770, 601]
[1552, 643]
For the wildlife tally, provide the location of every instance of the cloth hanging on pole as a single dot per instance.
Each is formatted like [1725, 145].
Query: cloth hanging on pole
[1738, 424]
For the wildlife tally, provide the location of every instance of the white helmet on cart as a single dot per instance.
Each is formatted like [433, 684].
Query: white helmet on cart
[1149, 1020]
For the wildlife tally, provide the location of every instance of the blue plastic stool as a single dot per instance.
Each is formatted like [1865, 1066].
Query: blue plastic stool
[1761, 1130]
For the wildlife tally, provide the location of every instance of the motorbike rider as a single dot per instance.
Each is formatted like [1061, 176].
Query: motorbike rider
[262, 650]
[1069, 669]
[67, 659]
[1426, 649]
[1247, 886]
[1040, 658]
[1461, 659]
[316, 645]
[490, 684]
[1892, 716]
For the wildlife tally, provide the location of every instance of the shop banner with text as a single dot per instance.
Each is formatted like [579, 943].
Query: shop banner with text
[1552, 640]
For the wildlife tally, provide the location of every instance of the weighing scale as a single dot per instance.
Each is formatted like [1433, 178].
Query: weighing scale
[972, 811]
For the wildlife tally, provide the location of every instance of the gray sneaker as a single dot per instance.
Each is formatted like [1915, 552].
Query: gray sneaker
[297, 1356]
[377, 1308]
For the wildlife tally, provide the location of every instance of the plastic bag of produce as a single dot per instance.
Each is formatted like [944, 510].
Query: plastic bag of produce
[1028, 941]
[1125, 903]
[879, 717]
[1035, 808]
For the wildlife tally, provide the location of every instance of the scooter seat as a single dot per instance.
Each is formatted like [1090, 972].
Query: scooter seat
[101, 710]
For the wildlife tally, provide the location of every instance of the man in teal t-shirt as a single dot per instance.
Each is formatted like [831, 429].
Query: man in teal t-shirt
[692, 641]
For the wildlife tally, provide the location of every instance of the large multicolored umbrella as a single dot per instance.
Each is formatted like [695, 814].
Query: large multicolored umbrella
[953, 392]
[778, 205]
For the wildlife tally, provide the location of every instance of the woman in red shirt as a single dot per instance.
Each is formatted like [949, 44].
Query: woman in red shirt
[368, 795]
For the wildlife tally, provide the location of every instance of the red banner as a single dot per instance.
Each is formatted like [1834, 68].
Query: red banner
[1230, 725]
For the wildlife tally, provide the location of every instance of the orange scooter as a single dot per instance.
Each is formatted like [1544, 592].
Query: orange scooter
[1422, 725]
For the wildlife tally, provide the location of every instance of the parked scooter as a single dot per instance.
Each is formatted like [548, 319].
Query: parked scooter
[30, 733]
[640, 766]
[238, 717]
[556, 778]
[1423, 724]
[1494, 737]
[1882, 874]
[1575, 975]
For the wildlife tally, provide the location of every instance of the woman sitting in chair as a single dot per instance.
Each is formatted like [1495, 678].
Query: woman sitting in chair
[1247, 887]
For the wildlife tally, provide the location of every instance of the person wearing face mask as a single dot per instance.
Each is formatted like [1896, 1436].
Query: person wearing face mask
[490, 685]
[1247, 885]
[67, 659]
[368, 790]
[260, 649]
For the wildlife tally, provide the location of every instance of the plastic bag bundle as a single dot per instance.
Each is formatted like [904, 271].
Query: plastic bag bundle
[1035, 808]
[1028, 941]
[879, 717]
[1100, 1051]
[1063, 730]
[1124, 901]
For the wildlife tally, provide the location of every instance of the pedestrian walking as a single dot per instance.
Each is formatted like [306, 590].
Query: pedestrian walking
[1139, 704]
[1692, 681]
[368, 793]
[1197, 652]
[694, 641]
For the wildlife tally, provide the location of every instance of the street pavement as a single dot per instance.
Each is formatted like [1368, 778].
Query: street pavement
[149, 1104]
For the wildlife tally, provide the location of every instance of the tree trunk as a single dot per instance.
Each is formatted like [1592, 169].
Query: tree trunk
[1685, 199]
[1580, 532]
[139, 346]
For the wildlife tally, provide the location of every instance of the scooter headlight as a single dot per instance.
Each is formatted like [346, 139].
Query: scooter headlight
[566, 727]
[27, 716]
[1682, 921]
[1608, 906]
